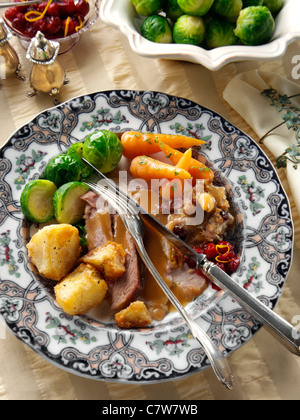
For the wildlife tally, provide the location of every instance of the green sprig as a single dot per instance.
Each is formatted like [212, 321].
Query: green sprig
[291, 117]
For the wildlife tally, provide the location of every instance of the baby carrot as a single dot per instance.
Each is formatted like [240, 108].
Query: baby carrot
[148, 168]
[138, 144]
[197, 169]
[186, 161]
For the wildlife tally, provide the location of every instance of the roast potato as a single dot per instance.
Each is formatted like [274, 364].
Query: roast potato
[136, 315]
[55, 250]
[108, 259]
[81, 290]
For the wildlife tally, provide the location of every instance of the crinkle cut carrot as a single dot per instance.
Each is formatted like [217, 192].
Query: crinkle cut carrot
[138, 144]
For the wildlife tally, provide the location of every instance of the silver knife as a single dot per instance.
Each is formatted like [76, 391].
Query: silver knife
[280, 329]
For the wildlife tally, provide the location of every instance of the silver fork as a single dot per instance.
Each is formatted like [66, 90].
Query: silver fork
[135, 225]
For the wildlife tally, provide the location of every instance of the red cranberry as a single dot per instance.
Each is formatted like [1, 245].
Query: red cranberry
[211, 251]
[233, 265]
[68, 7]
[54, 9]
[215, 287]
[71, 26]
[198, 249]
[83, 8]
[41, 6]
[11, 13]
[226, 243]
[19, 22]
[29, 31]
[23, 9]
[54, 25]
[190, 262]
[41, 25]
[228, 257]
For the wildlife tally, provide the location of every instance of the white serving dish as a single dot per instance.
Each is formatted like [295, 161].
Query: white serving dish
[121, 14]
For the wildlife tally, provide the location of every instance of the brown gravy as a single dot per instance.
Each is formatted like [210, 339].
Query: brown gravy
[153, 296]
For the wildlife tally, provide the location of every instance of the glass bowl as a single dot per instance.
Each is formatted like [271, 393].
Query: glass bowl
[68, 42]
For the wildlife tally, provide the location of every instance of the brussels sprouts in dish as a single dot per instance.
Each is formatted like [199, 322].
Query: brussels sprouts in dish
[248, 3]
[222, 22]
[195, 7]
[219, 33]
[157, 29]
[148, 7]
[103, 150]
[189, 30]
[229, 9]
[173, 11]
[65, 167]
[255, 25]
[273, 5]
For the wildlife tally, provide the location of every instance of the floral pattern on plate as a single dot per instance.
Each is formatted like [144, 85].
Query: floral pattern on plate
[92, 346]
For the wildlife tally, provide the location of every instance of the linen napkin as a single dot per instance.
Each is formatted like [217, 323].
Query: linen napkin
[244, 94]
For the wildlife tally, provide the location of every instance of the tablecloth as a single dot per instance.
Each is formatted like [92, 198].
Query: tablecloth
[103, 60]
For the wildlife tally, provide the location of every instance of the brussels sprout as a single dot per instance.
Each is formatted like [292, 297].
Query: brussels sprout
[274, 5]
[219, 33]
[255, 25]
[157, 29]
[102, 149]
[173, 10]
[86, 170]
[195, 7]
[148, 7]
[65, 167]
[247, 3]
[37, 200]
[68, 206]
[229, 9]
[189, 30]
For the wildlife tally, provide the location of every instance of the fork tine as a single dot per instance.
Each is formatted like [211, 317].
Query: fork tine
[129, 200]
[116, 201]
[132, 221]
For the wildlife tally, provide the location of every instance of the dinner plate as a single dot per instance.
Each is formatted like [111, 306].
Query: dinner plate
[92, 345]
